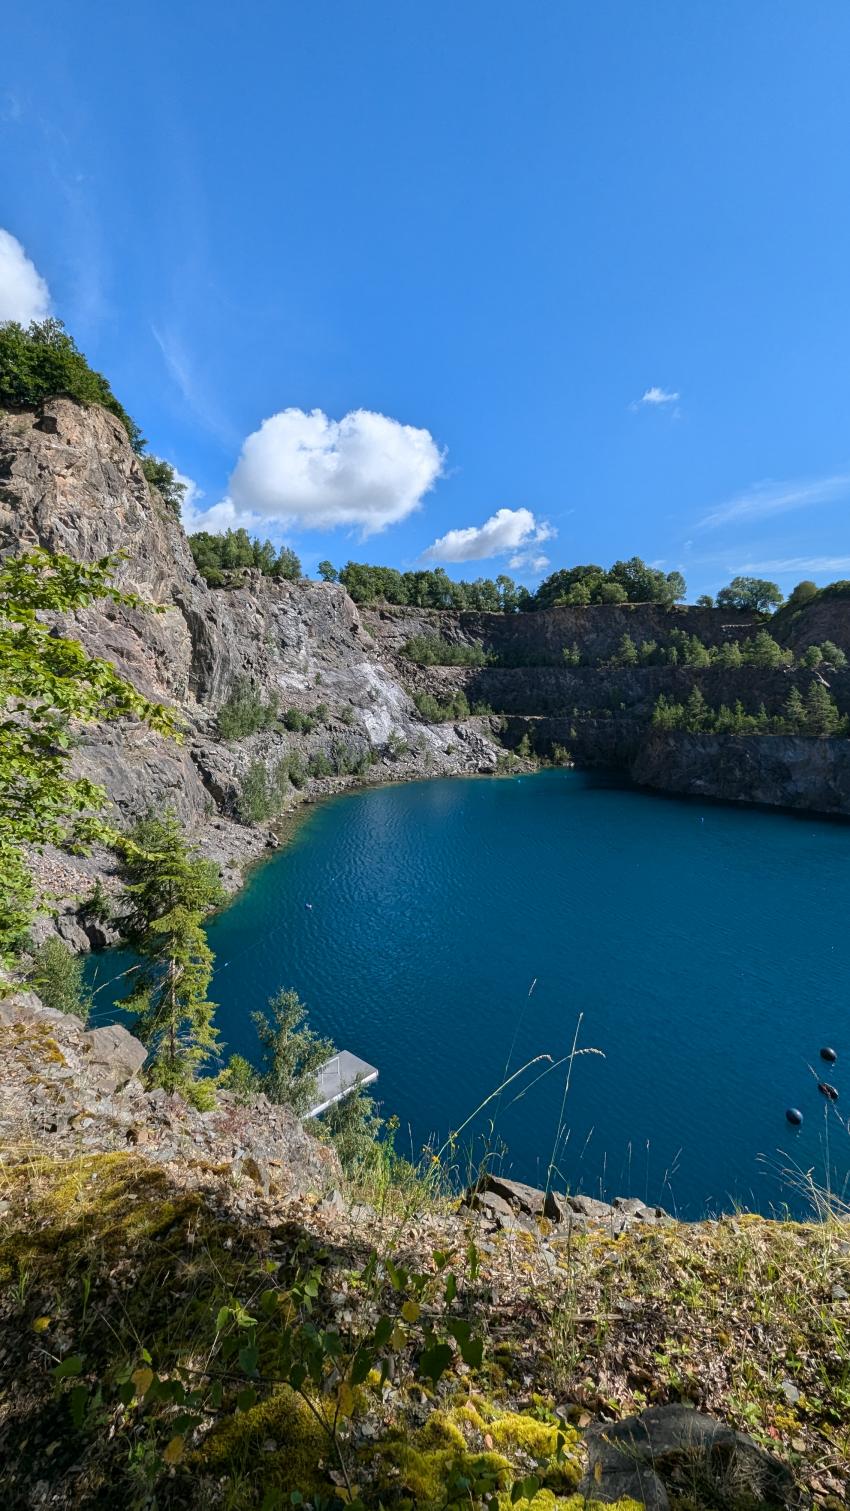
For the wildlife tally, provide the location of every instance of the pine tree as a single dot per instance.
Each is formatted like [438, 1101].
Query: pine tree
[292, 1052]
[170, 890]
[822, 716]
[697, 711]
[795, 711]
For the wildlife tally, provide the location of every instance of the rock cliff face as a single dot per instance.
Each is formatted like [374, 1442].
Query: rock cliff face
[777, 769]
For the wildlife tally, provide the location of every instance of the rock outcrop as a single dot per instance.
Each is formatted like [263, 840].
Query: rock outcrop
[74, 1091]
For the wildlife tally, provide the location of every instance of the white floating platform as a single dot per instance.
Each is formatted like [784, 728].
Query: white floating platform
[337, 1077]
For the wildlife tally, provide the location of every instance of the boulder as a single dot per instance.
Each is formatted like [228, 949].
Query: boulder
[677, 1449]
[114, 1055]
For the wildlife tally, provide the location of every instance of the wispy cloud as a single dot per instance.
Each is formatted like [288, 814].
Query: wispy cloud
[798, 564]
[767, 498]
[654, 397]
[193, 387]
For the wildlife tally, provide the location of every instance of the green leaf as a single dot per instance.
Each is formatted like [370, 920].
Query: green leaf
[77, 1401]
[434, 1361]
[70, 1366]
[246, 1398]
[248, 1357]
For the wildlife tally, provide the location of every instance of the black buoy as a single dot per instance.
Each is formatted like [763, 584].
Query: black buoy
[794, 1116]
[827, 1091]
[829, 1055]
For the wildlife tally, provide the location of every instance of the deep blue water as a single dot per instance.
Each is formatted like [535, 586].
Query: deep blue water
[706, 948]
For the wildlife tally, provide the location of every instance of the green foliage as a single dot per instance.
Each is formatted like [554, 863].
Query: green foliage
[762, 650]
[43, 361]
[431, 589]
[352, 758]
[240, 1078]
[48, 686]
[560, 756]
[292, 1052]
[263, 792]
[161, 475]
[304, 723]
[456, 706]
[803, 592]
[170, 890]
[245, 711]
[525, 749]
[433, 650]
[57, 976]
[629, 581]
[705, 601]
[833, 655]
[217, 555]
[571, 655]
[319, 765]
[327, 571]
[754, 594]
[352, 1126]
[627, 654]
[817, 716]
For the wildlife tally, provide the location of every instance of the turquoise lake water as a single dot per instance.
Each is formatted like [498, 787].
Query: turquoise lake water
[706, 948]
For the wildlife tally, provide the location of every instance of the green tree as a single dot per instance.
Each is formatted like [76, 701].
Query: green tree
[697, 712]
[803, 593]
[833, 655]
[795, 711]
[754, 594]
[170, 890]
[352, 1126]
[327, 571]
[627, 652]
[812, 657]
[705, 601]
[762, 650]
[822, 716]
[161, 476]
[292, 1052]
[43, 361]
[287, 565]
[49, 685]
[57, 976]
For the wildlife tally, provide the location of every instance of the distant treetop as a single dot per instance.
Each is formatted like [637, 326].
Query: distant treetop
[216, 555]
[753, 593]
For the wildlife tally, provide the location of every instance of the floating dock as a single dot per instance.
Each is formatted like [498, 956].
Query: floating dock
[337, 1077]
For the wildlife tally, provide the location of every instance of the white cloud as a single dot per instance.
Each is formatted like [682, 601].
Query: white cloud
[24, 295]
[764, 499]
[796, 564]
[655, 396]
[364, 470]
[504, 531]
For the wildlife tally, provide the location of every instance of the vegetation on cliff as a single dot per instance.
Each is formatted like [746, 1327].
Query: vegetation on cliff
[49, 686]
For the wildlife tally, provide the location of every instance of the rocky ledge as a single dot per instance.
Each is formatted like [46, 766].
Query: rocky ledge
[76, 1090]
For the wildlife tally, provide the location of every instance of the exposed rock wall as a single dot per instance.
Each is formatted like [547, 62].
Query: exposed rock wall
[778, 769]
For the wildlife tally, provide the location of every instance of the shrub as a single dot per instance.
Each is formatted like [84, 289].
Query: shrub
[262, 794]
[561, 756]
[319, 765]
[433, 650]
[240, 1078]
[161, 476]
[57, 976]
[435, 712]
[301, 723]
[762, 650]
[346, 713]
[42, 361]
[833, 655]
[244, 711]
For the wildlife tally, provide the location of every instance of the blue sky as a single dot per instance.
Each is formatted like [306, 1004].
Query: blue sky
[472, 237]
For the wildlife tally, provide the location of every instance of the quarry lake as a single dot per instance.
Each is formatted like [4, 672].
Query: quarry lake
[456, 928]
